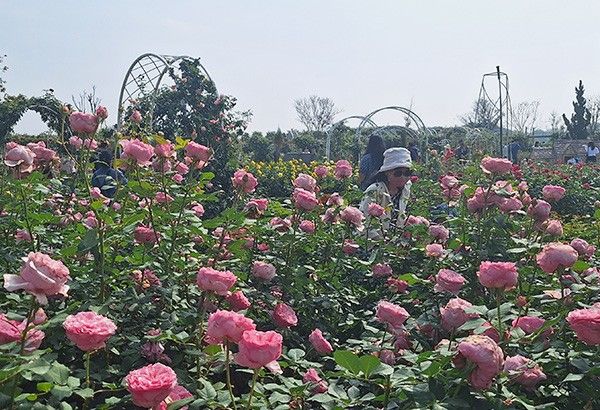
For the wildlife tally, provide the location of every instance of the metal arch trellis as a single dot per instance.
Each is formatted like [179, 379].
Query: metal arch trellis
[421, 128]
[497, 104]
[338, 124]
[147, 71]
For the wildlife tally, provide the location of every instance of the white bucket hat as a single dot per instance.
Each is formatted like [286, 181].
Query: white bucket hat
[395, 158]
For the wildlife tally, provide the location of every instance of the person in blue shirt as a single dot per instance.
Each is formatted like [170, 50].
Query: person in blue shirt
[105, 176]
[513, 151]
[371, 161]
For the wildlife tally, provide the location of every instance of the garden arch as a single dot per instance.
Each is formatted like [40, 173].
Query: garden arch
[422, 130]
[334, 127]
[47, 106]
[147, 71]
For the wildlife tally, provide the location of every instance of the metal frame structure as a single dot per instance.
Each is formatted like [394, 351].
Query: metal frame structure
[502, 104]
[147, 71]
[329, 132]
[421, 128]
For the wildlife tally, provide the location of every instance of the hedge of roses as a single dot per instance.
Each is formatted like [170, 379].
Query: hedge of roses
[478, 301]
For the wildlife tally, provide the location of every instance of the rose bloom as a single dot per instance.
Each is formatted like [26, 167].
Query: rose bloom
[375, 210]
[306, 182]
[244, 181]
[454, 315]
[238, 301]
[586, 324]
[486, 356]
[163, 198]
[161, 165]
[181, 168]
[257, 349]
[307, 226]
[42, 154]
[397, 285]
[434, 250]
[89, 330]
[350, 247]
[491, 165]
[554, 228]
[263, 270]
[225, 326]
[151, 384]
[19, 157]
[448, 281]
[144, 234]
[212, 280]
[531, 324]
[540, 211]
[76, 142]
[556, 256]
[553, 192]
[321, 171]
[312, 377]
[391, 314]
[11, 331]
[284, 316]
[83, 123]
[335, 199]
[198, 152]
[320, 344]
[583, 248]
[281, 225]
[40, 276]
[523, 371]
[305, 200]
[165, 150]
[510, 205]
[417, 220]
[137, 150]
[177, 393]
[382, 270]
[145, 279]
[198, 210]
[343, 169]
[22, 236]
[439, 232]
[102, 112]
[257, 206]
[498, 275]
[352, 215]
[90, 144]
[40, 317]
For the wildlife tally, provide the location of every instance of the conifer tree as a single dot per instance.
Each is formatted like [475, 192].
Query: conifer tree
[577, 127]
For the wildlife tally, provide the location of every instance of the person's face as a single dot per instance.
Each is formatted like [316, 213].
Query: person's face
[398, 177]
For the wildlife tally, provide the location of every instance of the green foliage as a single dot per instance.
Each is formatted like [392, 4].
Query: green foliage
[577, 127]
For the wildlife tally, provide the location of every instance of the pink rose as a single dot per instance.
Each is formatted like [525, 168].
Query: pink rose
[90, 220]
[510, 205]
[177, 393]
[352, 216]
[540, 211]
[391, 314]
[523, 371]
[375, 210]
[417, 220]
[454, 314]
[20, 158]
[244, 181]
[556, 256]
[90, 144]
[238, 301]
[151, 384]
[307, 226]
[498, 275]
[523, 186]
[41, 276]
[397, 285]
[284, 316]
[381, 270]
[137, 150]
[165, 150]
[225, 326]
[263, 270]
[11, 331]
[281, 225]
[22, 236]
[343, 169]
[181, 168]
[491, 165]
[198, 152]
[89, 330]
[305, 200]
[306, 182]
[531, 324]
[554, 228]
[434, 250]
[40, 317]
[136, 116]
[448, 281]
[101, 112]
[212, 280]
[163, 198]
[198, 210]
[583, 248]
[143, 234]
[76, 142]
[257, 349]
[320, 344]
[335, 199]
[42, 154]
[312, 377]
[161, 165]
[177, 178]
[490, 331]
[439, 232]
[321, 171]
[553, 192]
[83, 123]
[586, 324]
[484, 355]
[350, 247]
[257, 206]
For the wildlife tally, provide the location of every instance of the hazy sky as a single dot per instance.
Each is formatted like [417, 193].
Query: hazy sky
[362, 54]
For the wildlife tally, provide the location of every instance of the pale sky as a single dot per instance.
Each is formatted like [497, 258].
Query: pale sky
[362, 54]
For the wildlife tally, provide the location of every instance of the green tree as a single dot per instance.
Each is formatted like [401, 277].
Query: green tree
[3, 69]
[577, 127]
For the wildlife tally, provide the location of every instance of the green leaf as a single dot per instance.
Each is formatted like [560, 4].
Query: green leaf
[573, 377]
[61, 392]
[44, 387]
[89, 241]
[368, 364]
[58, 373]
[180, 403]
[347, 360]
[597, 215]
[86, 393]
[296, 354]
[580, 266]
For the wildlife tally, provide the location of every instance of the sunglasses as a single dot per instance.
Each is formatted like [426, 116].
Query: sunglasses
[402, 172]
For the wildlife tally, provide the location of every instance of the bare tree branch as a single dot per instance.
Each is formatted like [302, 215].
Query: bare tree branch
[315, 113]
[524, 116]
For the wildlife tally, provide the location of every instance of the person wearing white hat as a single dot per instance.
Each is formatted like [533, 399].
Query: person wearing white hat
[390, 188]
